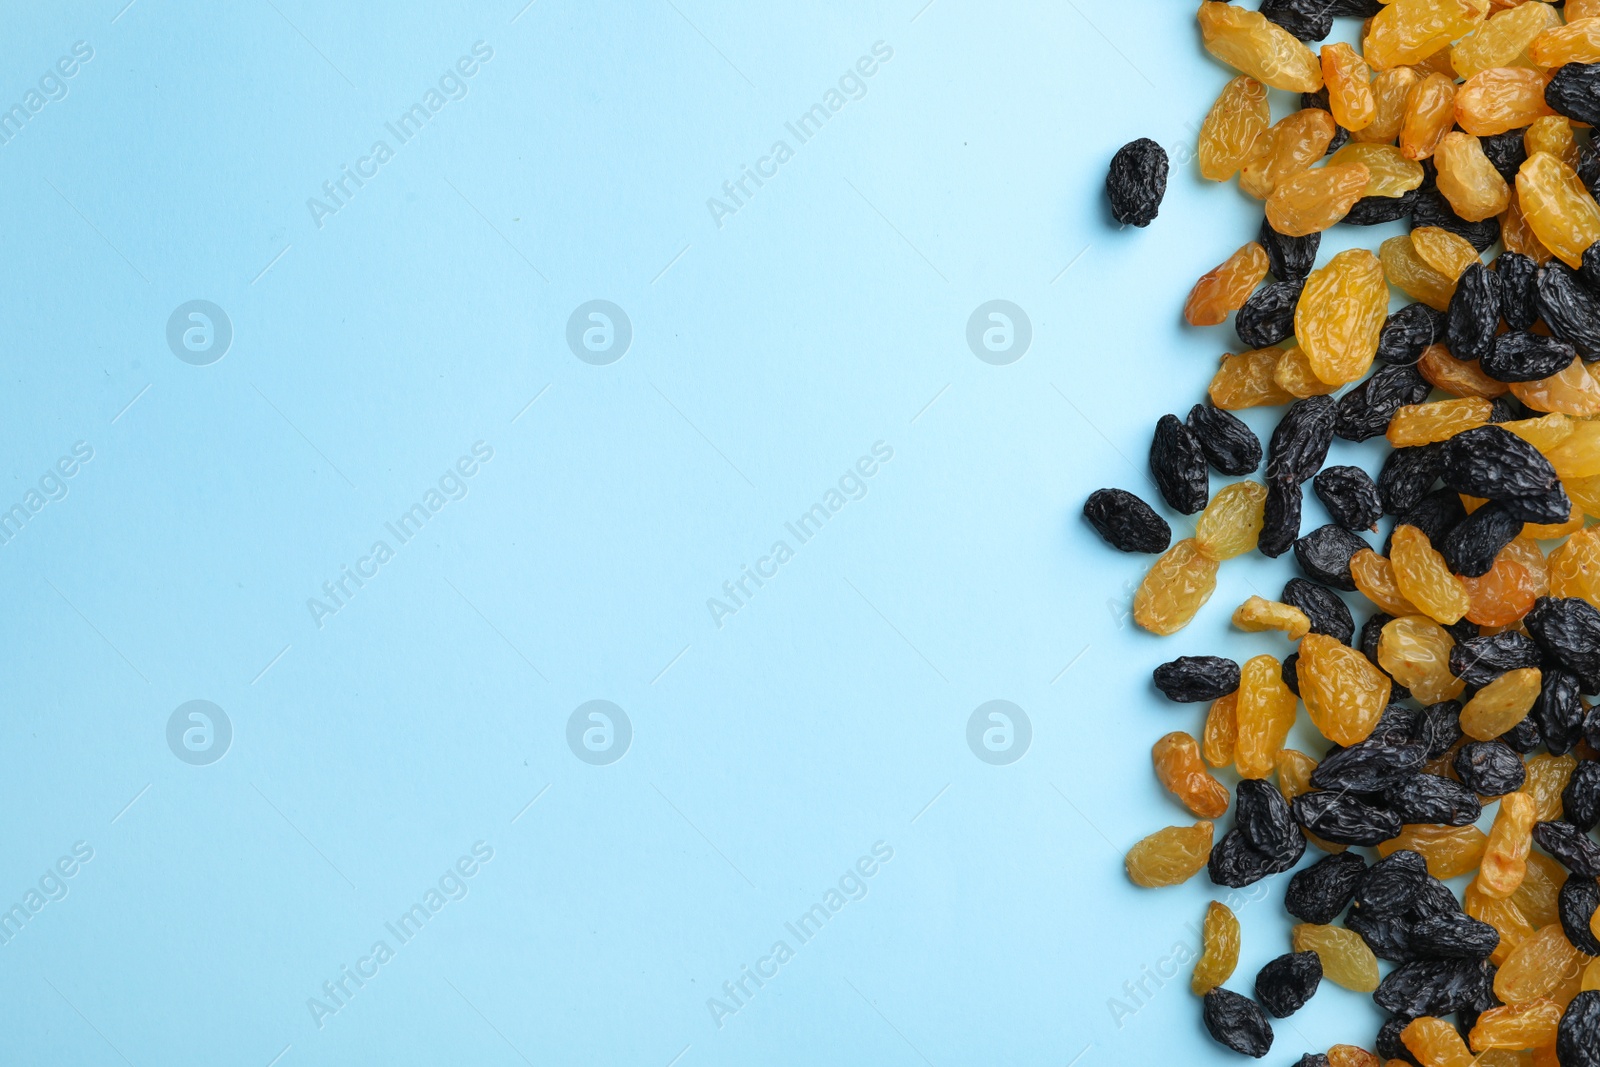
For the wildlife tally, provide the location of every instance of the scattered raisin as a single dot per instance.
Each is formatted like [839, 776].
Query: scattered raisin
[1137, 182]
[1126, 523]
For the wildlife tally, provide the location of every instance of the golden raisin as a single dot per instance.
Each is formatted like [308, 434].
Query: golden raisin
[1539, 894]
[1343, 692]
[1467, 179]
[1525, 551]
[1457, 376]
[1181, 772]
[1390, 90]
[1219, 949]
[1316, 199]
[1552, 134]
[1257, 614]
[1576, 42]
[1537, 967]
[1232, 126]
[1500, 705]
[1545, 433]
[1407, 31]
[1346, 959]
[1245, 380]
[1221, 732]
[1430, 112]
[1448, 850]
[1504, 915]
[1352, 1056]
[1170, 856]
[1340, 313]
[1577, 453]
[1285, 150]
[1547, 777]
[1500, 99]
[1504, 39]
[1231, 522]
[1178, 584]
[1502, 596]
[1265, 712]
[1388, 172]
[1423, 577]
[1226, 287]
[1248, 42]
[1505, 860]
[1407, 271]
[1415, 651]
[1575, 567]
[1294, 773]
[1374, 577]
[1559, 209]
[1349, 83]
[1519, 236]
[1585, 492]
[1571, 391]
[1517, 1026]
[1439, 420]
[1448, 253]
[1434, 1042]
[1294, 376]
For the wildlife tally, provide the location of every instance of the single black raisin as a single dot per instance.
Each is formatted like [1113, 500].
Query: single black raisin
[1571, 311]
[1324, 555]
[1237, 1022]
[1127, 523]
[1285, 984]
[1490, 462]
[1267, 317]
[1137, 182]
[1433, 798]
[1409, 331]
[1189, 679]
[1575, 849]
[1435, 987]
[1568, 629]
[1364, 412]
[1472, 544]
[1474, 313]
[1289, 258]
[1490, 768]
[1407, 475]
[1309, 20]
[1264, 816]
[1290, 672]
[1328, 614]
[1320, 893]
[1344, 820]
[1520, 356]
[1559, 712]
[1507, 151]
[1229, 445]
[1523, 737]
[1589, 267]
[1579, 899]
[1370, 766]
[1377, 210]
[1580, 800]
[1439, 727]
[1301, 439]
[1453, 935]
[1435, 515]
[1574, 91]
[1432, 209]
[1372, 633]
[1578, 1037]
[1179, 466]
[1519, 302]
[1236, 863]
[1480, 660]
[1551, 507]
[1350, 496]
[1280, 518]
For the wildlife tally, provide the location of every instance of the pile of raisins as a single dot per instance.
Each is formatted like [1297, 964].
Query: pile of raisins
[1459, 745]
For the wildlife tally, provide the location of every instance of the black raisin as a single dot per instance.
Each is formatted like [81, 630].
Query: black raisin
[1474, 313]
[1237, 1022]
[1328, 614]
[1579, 899]
[1320, 893]
[1570, 310]
[1472, 544]
[1507, 151]
[1439, 727]
[1578, 1037]
[1267, 317]
[1551, 507]
[1285, 984]
[1453, 935]
[1433, 798]
[1290, 672]
[1523, 737]
[1435, 987]
[1301, 439]
[1364, 412]
[1377, 210]
[1309, 20]
[1574, 848]
[1559, 712]
[1490, 462]
[1372, 633]
[1189, 679]
[1407, 475]
[1432, 209]
[1229, 445]
[1324, 555]
[1490, 768]
[1480, 660]
[1179, 466]
[1370, 766]
[1350, 496]
[1137, 182]
[1580, 800]
[1289, 258]
[1436, 514]
[1519, 302]
[1344, 820]
[1280, 519]
[1409, 331]
[1589, 267]
[1589, 168]
[1127, 523]
[1235, 863]
[1568, 629]
[1388, 1042]
[1574, 91]
[1520, 356]
[1268, 825]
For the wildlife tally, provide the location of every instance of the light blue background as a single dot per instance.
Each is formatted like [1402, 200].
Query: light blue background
[768, 355]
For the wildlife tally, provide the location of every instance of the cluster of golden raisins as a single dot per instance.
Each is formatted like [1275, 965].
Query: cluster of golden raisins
[1470, 342]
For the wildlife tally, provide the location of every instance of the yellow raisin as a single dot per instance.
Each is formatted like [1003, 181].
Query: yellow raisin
[1294, 376]
[1577, 453]
[1525, 551]
[1294, 773]
[1500, 99]
[1312, 201]
[1244, 380]
[1571, 391]
[1502, 596]
[1434, 1042]
[1287, 149]
[1343, 692]
[1439, 420]
[1547, 777]
[1374, 577]
[1257, 614]
[1576, 42]
[1575, 567]
[1517, 1026]
[1591, 975]
[1574, 10]
[1248, 42]
[1585, 492]
[1552, 134]
[1545, 433]
[1519, 236]
[1537, 967]
[1219, 949]
[1231, 522]
[1502, 704]
[1346, 959]
[1539, 894]
[1170, 856]
[1448, 253]
[1415, 651]
[1430, 111]
[1423, 577]
[1468, 180]
[1504, 915]
[1232, 126]
[1448, 850]
[1340, 314]
[1352, 1056]
[1182, 773]
[1559, 209]
[1266, 711]
[1390, 90]
[1457, 376]
[1407, 31]
[1349, 83]
[1221, 732]
[1388, 172]
[1504, 39]
[1408, 272]
[1178, 584]
[1505, 860]
[1226, 286]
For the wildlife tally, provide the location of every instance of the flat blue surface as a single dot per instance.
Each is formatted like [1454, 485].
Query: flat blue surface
[802, 342]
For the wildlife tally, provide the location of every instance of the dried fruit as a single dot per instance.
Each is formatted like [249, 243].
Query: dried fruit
[1350, 497]
[1285, 984]
[1579, 902]
[1536, 967]
[1323, 607]
[1280, 520]
[1503, 40]
[1170, 856]
[1344, 819]
[1256, 615]
[1432, 209]
[1434, 799]
[1291, 258]
[1480, 660]
[1553, 134]
[1189, 679]
[1182, 773]
[1572, 392]
[1571, 846]
[1407, 271]
[1407, 31]
[1422, 424]
[1547, 778]
[1435, 987]
[1449, 851]
[1314, 200]
[1286, 149]
[1569, 308]
[1179, 466]
[1576, 42]
[1505, 861]
[1474, 312]
[1219, 949]
[1574, 91]
[1232, 126]
[1343, 692]
[1340, 314]
[1520, 356]
[1245, 380]
[1424, 579]
[1265, 711]
[1346, 960]
[1374, 577]
[1390, 175]
[1177, 586]
[1415, 651]
[1225, 288]
[1221, 731]
[1248, 42]
[1490, 768]
[1467, 179]
[1578, 1038]
[1492, 463]
[1231, 523]
[1499, 706]
[1319, 893]
[1523, 1026]
[1435, 1043]
[1503, 595]
[1126, 523]
[1236, 1021]
[1430, 111]
[1364, 412]
[1568, 630]
[1500, 99]
[1559, 209]
[1137, 181]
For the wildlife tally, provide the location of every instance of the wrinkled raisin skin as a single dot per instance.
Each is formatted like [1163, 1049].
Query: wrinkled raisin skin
[1179, 466]
[1127, 523]
[1189, 679]
[1137, 181]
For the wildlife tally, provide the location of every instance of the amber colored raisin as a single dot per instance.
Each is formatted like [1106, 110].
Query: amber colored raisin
[1390, 90]
[1340, 315]
[1519, 236]
[1504, 915]
[1415, 651]
[1314, 200]
[1170, 856]
[1537, 967]
[1500, 99]
[1435, 1043]
[1344, 693]
[1575, 566]
[1389, 174]
[1559, 209]
[1349, 83]
[1374, 577]
[1407, 271]
[1286, 149]
[1221, 733]
[1231, 128]
[1408, 31]
[1553, 134]
[1257, 614]
[1539, 894]
[1351, 1056]
[1219, 949]
[1505, 861]
[1467, 179]
[1448, 850]
[1346, 959]
[1499, 706]
[1177, 586]
[1448, 253]
[1430, 112]
[1502, 596]
[1574, 391]
[1294, 376]
[1503, 40]
[1457, 376]
[1547, 777]
[1225, 287]
[1244, 380]
[1424, 579]
[1576, 42]
[1517, 1026]
[1183, 774]
[1231, 522]
[1248, 42]
[1265, 712]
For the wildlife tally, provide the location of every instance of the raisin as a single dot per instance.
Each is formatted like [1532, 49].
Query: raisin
[1182, 773]
[1175, 589]
[1248, 42]
[1506, 151]
[1438, 420]
[1256, 615]
[1474, 313]
[1126, 523]
[1572, 392]
[1344, 819]
[1415, 651]
[1324, 554]
[1389, 1045]
[1189, 679]
[1265, 712]
[1580, 800]
[1490, 768]
[1471, 545]
[1579, 899]
[1237, 1021]
[1285, 984]
[1309, 20]
[1314, 200]
[1364, 412]
[1137, 182]
[1301, 439]
[1377, 210]
[1577, 42]
[1493, 463]
[1574, 91]
[1344, 694]
[1370, 766]
[1480, 660]
[1346, 959]
[1557, 207]
[1503, 595]
[1372, 633]
[1523, 737]
[1221, 733]
[1328, 614]
[1424, 579]
[1229, 445]
[1536, 967]
[1340, 315]
[1571, 846]
[1232, 127]
[1179, 466]
[1407, 332]
[1225, 288]
[1578, 1038]
[1589, 271]
[1559, 712]
[1505, 861]
[1435, 515]
[1320, 893]
[1432, 209]
[1502, 40]
[1435, 987]
[1433, 798]
[1453, 935]
[1468, 180]
[1520, 356]
[1268, 316]
[1521, 1026]
[1351, 499]
[1235, 863]
[1219, 953]
[1436, 1043]
[1280, 518]
[1568, 630]
[1518, 292]
[1440, 727]
[1500, 99]
[1287, 150]
[1290, 258]
[1231, 523]
[1571, 311]
[1170, 856]
[1407, 475]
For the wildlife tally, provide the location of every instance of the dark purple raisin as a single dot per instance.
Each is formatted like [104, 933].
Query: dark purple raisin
[1568, 629]
[1575, 849]
[1523, 737]
[1189, 679]
[1432, 798]
[1571, 311]
[1263, 815]
[1574, 91]
[1472, 544]
[1519, 303]
[1324, 555]
[1350, 496]
[1364, 412]
[1388, 1042]
[1453, 935]
[1578, 1037]
[1280, 519]
[1309, 20]
[1289, 258]
[1551, 507]
[1320, 893]
[1559, 712]
[1236, 863]
[1301, 439]
[1290, 672]
[1580, 800]
[1579, 899]
[1179, 466]
[1370, 766]
[1372, 633]
[1230, 446]
[1507, 151]
[1343, 819]
[1490, 768]
[1439, 727]
[1328, 614]
[1377, 210]
[1285, 984]
[1126, 523]
[1137, 182]
[1409, 331]
[1237, 1022]
[1436, 514]
[1435, 987]
[1490, 462]
[1480, 660]
[1474, 313]
[1407, 475]
[1267, 317]
[1520, 356]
